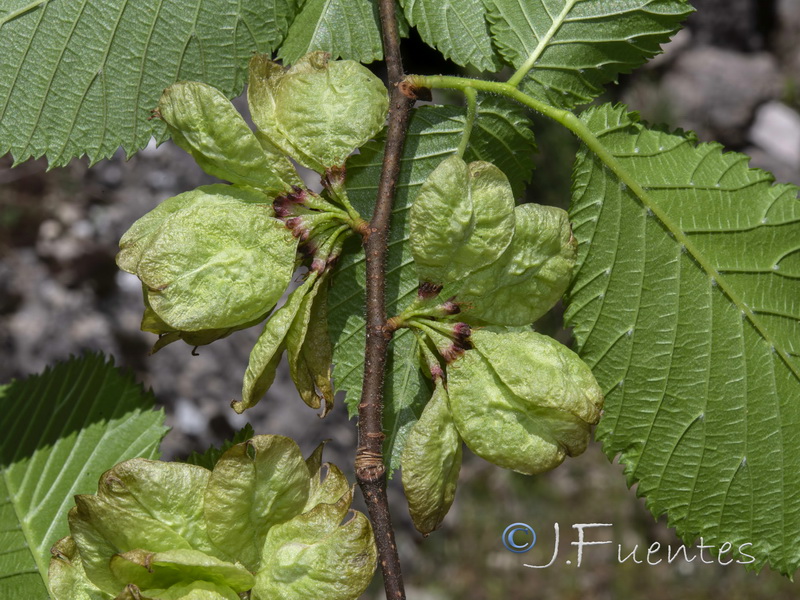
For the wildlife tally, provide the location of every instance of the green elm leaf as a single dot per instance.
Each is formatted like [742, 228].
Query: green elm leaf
[523, 401]
[267, 352]
[462, 219]
[431, 463]
[344, 28]
[140, 504]
[685, 304]
[64, 428]
[457, 28]
[212, 258]
[202, 121]
[81, 77]
[254, 486]
[148, 570]
[309, 349]
[318, 111]
[530, 276]
[574, 47]
[315, 556]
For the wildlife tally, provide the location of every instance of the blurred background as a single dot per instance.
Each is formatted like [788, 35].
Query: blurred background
[733, 75]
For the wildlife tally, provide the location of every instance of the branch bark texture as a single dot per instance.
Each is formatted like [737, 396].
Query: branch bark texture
[369, 465]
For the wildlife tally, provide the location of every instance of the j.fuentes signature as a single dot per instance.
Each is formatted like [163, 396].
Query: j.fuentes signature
[521, 537]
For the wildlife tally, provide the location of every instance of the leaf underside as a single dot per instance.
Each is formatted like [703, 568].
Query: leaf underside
[434, 134]
[81, 77]
[504, 137]
[686, 303]
[67, 427]
[580, 45]
[456, 28]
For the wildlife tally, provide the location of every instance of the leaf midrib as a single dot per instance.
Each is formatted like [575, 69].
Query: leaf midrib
[543, 43]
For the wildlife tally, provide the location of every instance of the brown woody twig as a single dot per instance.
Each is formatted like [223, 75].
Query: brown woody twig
[369, 465]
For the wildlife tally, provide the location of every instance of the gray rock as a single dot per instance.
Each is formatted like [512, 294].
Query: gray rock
[716, 92]
[52, 321]
[776, 130]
